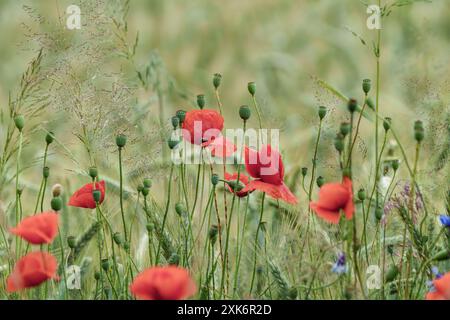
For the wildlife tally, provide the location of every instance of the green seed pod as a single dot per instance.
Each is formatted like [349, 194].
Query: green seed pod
[201, 101]
[320, 181]
[49, 137]
[97, 275]
[180, 209]
[339, 142]
[46, 172]
[172, 143]
[213, 231]
[118, 239]
[147, 183]
[370, 103]
[322, 112]
[304, 171]
[181, 114]
[140, 187]
[145, 191]
[19, 121]
[387, 123]
[419, 134]
[418, 125]
[244, 112]
[105, 264]
[93, 172]
[121, 140]
[126, 246]
[344, 128]
[442, 255]
[361, 194]
[293, 293]
[251, 86]
[56, 203]
[214, 179]
[366, 85]
[97, 195]
[217, 79]
[395, 164]
[391, 274]
[149, 227]
[175, 122]
[174, 259]
[72, 242]
[352, 105]
[378, 213]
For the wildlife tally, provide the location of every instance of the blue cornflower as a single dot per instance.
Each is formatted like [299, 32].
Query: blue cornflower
[445, 220]
[340, 266]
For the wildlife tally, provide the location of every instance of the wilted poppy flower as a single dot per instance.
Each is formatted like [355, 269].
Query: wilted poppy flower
[201, 127]
[83, 197]
[222, 147]
[163, 283]
[267, 167]
[235, 186]
[38, 229]
[440, 288]
[31, 270]
[334, 197]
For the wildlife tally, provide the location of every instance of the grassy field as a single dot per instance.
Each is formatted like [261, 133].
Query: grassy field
[70, 98]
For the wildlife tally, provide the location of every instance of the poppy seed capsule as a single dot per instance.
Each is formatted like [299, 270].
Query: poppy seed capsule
[93, 172]
[172, 143]
[322, 112]
[145, 191]
[121, 140]
[392, 273]
[19, 121]
[361, 194]
[378, 213]
[251, 86]
[96, 194]
[395, 164]
[56, 190]
[304, 171]
[126, 246]
[97, 275]
[49, 137]
[214, 179]
[339, 142]
[387, 123]
[217, 79]
[201, 101]
[105, 264]
[352, 105]
[344, 128]
[245, 113]
[180, 209]
[72, 242]
[175, 122]
[366, 85]
[56, 203]
[370, 103]
[320, 181]
[46, 172]
[118, 239]
[181, 114]
[147, 183]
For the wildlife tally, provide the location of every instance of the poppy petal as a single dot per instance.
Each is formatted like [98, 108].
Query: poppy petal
[328, 215]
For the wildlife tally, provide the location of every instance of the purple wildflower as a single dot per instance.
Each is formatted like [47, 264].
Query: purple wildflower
[340, 266]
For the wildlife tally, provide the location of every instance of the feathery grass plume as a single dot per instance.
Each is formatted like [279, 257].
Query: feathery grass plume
[280, 280]
[83, 241]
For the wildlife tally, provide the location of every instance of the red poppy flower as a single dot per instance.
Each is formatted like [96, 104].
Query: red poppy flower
[163, 283]
[31, 270]
[441, 288]
[334, 197]
[201, 127]
[38, 229]
[243, 179]
[267, 167]
[222, 147]
[83, 198]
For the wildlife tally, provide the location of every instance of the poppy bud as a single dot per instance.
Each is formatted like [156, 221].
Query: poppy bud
[180, 209]
[366, 85]
[174, 259]
[56, 203]
[217, 78]
[418, 125]
[126, 246]
[320, 181]
[181, 114]
[97, 195]
[251, 86]
[361, 194]
[395, 164]
[418, 131]
[149, 227]
[93, 172]
[387, 123]
[214, 179]
[378, 213]
[345, 128]
[213, 231]
[19, 121]
[172, 143]
[139, 188]
[105, 264]
[370, 103]
[201, 101]
[244, 112]
[147, 183]
[304, 171]
[352, 105]
[72, 242]
[56, 190]
[339, 142]
[175, 122]
[49, 137]
[322, 112]
[293, 292]
[391, 274]
[46, 172]
[442, 255]
[118, 239]
[145, 191]
[121, 140]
